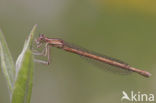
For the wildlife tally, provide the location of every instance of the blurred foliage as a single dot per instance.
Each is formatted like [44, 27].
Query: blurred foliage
[7, 63]
[19, 82]
[136, 5]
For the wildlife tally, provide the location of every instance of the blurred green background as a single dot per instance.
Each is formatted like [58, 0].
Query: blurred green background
[122, 29]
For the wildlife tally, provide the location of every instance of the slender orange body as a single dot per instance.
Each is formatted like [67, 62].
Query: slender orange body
[62, 45]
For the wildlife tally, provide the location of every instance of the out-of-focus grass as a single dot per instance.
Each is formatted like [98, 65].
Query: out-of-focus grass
[137, 5]
[19, 81]
[7, 63]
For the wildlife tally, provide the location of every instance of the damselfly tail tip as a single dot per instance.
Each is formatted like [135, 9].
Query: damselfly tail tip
[147, 74]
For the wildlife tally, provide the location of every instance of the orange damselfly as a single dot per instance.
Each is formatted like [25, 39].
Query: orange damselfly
[61, 44]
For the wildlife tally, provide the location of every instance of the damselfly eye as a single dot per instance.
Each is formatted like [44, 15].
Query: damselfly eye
[41, 36]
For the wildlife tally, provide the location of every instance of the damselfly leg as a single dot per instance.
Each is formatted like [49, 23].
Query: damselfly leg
[45, 52]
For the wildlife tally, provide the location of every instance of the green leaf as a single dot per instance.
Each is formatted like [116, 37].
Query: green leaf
[24, 73]
[7, 63]
[23, 85]
[27, 45]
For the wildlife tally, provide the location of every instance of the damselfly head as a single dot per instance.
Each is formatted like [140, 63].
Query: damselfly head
[40, 40]
[41, 36]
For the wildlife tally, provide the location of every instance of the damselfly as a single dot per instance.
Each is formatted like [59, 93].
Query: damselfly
[61, 44]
